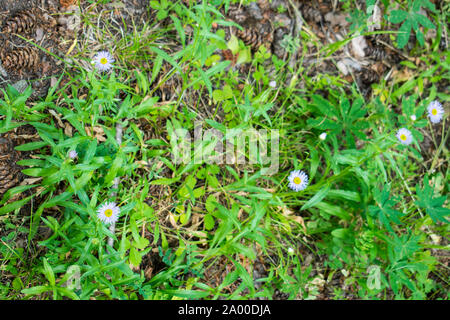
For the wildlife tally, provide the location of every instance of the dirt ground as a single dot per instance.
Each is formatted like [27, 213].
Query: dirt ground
[34, 44]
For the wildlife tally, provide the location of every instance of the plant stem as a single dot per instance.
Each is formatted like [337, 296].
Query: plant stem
[112, 227]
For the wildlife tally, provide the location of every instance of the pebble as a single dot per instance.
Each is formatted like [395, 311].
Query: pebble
[283, 20]
[255, 11]
[21, 85]
[39, 34]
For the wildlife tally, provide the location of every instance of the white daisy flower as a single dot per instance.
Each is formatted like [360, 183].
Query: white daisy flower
[272, 84]
[108, 213]
[103, 60]
[298, 180]
[290, 251]
[404, 136]
[435, 111]
[413, 117]
[323, 136]
[73, 154]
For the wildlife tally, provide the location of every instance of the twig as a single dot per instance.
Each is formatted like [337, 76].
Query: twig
[298, 24]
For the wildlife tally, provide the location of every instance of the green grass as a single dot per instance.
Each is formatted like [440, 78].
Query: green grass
[374, 216]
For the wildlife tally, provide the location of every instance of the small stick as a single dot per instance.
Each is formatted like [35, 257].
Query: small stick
[298, 24]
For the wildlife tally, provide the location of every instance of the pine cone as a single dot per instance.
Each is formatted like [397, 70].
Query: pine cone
[22, 22]
[368, 76]
[27, 58]
[376, 53]
[253, 38]
[8, 169]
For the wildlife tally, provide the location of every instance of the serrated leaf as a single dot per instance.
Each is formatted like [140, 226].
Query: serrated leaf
[403, 36]
[211, 203]
[424, 21]
[398, 16]
[209, 221]
[135, 257]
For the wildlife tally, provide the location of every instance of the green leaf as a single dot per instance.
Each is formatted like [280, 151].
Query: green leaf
[135, 257]
[341, 233]
[209, 222]
[141, 243]
[116, 165]
[432, 205]
[318, 197]
[345, 194]
[384, 210]
[37, 290]
[16, 190]
[314, 156]
[48, 272]
[31, 146]
[424, 21]
[68, 293]
[221, 95]
[179, 28]
[162, 54]
[165, 181]
[188, 294]
[403, 36]
[233, 44]
[323, 105]
[211, 203]
[439, 214]
[333, 210]
[398, 16]
[14, 205]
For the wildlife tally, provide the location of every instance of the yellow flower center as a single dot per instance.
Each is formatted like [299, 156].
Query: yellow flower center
[103, 61]
[434, 112]
[108, 213]
[297, 180]
[403, 137]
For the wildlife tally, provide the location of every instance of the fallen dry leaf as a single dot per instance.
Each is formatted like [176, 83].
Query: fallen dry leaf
[374, 21]
[99, 133]
[68, 131]
[290, 215]
[358, 45]
[58, 119]
[30, 181]
[300, 221]
[402, 75]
